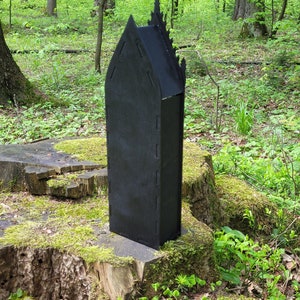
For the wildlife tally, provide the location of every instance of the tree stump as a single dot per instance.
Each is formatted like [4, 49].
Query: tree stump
[198, 187]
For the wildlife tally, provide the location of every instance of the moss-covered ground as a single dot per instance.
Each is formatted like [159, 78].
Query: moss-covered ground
[40, 221]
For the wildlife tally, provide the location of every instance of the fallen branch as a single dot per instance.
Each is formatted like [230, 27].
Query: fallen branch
[75, 51]
[231, 62]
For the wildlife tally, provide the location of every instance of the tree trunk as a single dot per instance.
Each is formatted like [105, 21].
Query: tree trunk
[51, 8]
[10, 13]
[245, 9]
[99, 36]
[174, 11]
[280, 18]
[14, 87]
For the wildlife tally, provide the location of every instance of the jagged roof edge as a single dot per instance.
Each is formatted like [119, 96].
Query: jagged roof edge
[159, 19]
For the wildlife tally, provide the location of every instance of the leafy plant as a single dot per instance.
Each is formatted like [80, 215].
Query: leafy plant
[273, 173]
[182, 286]
[19, 294]
[282, 68]
[243, 262]
[243, 118]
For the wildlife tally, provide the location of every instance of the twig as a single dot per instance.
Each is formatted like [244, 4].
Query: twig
[285, 231]
[39, 140]
[218, 114]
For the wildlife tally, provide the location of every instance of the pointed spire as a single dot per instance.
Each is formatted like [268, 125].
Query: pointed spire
[157, 19]
[131, 22]
[156, 15]
[156, 6]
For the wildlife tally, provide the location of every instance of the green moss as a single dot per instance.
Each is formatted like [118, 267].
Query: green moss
[236, 198]
[194, 160]
[100, 254]
[18, 235]
[191, 253]
[66, 226]
[62, 235]
[58, 183]
[24, 204]
[63, 180]
[89, 210]
[198, 186]
[94, 149]
[90, 149]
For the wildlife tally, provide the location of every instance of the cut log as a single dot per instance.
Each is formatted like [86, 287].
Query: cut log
[51, 273]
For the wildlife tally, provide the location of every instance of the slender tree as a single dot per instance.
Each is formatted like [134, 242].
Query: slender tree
[10, 12]
[51, 8]
[14, 87]
[174, 11]
[253, 12]
[101, 7]
[280, 18]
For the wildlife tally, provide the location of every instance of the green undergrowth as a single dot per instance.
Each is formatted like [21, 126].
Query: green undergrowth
[244, 262]
[248, 210]
[19, 295]
[272, 168]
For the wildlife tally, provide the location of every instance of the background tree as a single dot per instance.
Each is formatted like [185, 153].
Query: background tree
[14, 87]
[101, 7]
[51, 8]
[174, 11]
[253, 12]
[10, 12]
[280, 17]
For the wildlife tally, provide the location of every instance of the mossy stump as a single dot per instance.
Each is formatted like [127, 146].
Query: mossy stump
[244, 208]
[198, 186]
[54, 237]
[59, 244]
[192, 253]
[82, 267]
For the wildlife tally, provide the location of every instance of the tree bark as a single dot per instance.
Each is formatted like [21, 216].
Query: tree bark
[280, 18]
[245, 9]
[10, 13]
[14, 87]
[99, 36]
[51, 8]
